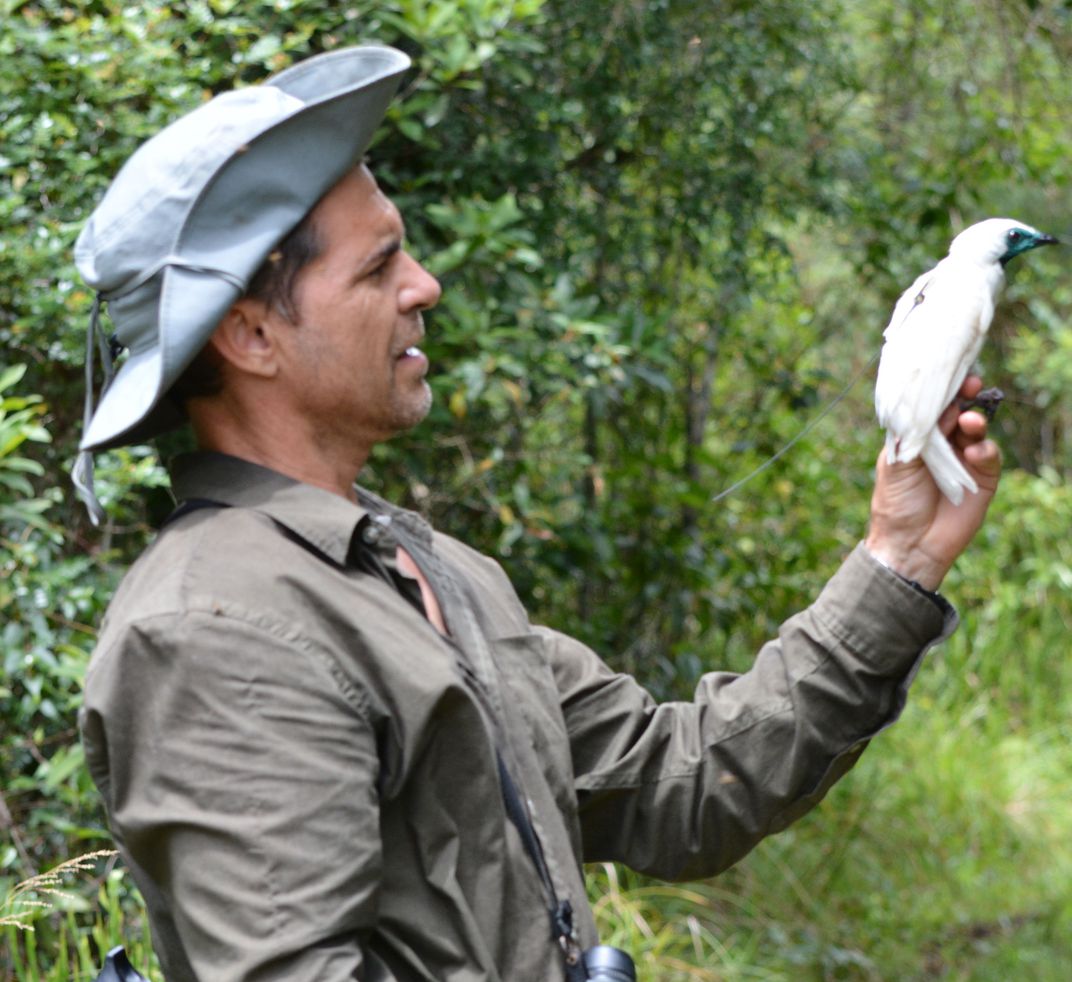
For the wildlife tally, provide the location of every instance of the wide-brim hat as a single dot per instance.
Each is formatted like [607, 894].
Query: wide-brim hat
[197, 209]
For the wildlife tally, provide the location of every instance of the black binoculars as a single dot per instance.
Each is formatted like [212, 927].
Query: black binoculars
[117, 968]
[606, 964]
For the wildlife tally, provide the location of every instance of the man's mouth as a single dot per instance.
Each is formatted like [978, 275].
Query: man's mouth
[416, 332]
[411, 353]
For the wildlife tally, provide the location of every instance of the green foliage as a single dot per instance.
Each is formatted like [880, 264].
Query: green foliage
[44, 921]
[48, 599]
[18, 423]
[1018, 585]
[668, 235]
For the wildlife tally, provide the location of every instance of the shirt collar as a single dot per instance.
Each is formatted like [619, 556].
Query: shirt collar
[320, 517]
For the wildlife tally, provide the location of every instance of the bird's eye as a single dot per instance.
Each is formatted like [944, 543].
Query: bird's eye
[1015, 235]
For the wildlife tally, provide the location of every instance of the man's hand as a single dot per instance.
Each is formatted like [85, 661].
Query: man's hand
[915, 529]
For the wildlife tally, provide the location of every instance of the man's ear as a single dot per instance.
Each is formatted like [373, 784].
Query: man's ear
[245, 338]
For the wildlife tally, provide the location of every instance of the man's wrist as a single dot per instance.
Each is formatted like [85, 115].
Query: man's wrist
[915, 567]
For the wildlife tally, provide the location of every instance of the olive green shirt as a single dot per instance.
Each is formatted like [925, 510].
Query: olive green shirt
[301, 771]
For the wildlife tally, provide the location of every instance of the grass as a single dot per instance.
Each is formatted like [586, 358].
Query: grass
[57, 926]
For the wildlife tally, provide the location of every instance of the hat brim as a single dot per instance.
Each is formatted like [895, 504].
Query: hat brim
[188, 300]
[254, 199]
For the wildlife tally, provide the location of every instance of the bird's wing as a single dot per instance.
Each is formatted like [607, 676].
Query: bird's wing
[934, 336]
[909, 300]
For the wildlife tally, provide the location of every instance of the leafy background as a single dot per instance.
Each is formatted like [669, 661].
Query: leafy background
[669, 234]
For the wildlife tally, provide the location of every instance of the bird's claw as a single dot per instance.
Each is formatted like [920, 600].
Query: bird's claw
[987, 400]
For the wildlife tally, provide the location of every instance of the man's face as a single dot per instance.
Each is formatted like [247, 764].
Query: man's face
[352, 363]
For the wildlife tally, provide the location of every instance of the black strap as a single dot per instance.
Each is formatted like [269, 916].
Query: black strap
[561, 911]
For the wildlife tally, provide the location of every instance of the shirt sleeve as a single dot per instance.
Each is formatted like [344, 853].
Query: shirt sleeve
[682, 790]
[249, 813]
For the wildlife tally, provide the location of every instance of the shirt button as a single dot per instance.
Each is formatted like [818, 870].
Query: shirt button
[375, 531]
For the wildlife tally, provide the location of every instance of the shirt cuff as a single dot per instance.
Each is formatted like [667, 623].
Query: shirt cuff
[936, 598]
[885, 618]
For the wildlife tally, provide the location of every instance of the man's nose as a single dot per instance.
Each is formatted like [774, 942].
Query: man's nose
[421, 290]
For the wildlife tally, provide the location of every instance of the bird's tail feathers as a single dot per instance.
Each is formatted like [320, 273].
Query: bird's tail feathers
[948, 472]
[901, 449]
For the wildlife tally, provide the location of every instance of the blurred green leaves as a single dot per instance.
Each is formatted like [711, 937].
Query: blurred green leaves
[19, 417]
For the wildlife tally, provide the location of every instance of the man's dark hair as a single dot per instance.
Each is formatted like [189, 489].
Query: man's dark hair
[274, 284]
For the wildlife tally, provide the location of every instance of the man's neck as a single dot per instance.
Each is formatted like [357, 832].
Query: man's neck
[300, 456]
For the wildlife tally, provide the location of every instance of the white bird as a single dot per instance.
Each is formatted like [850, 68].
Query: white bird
[935, 335]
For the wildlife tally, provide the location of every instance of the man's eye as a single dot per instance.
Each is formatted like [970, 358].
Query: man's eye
[383, 266]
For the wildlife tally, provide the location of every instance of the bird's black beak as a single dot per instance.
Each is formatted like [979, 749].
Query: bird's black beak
[1047, 240]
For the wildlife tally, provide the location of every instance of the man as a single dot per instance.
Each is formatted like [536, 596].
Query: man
[330, 744]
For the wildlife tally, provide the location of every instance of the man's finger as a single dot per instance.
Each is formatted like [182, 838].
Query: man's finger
[947, 422]
[970, 428]
[970, 387]
[984, 458]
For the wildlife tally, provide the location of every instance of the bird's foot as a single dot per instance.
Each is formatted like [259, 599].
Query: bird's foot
[987, 400]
